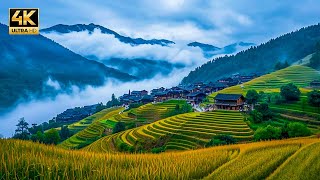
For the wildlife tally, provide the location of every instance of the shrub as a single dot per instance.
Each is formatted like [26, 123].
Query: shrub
[296, 129]
[256, 116]
[120, 126]
[314, 98]
[266, 112]
[158, 150]
[221, 140]
[290, 92]
[52, 136]
[267, 133]
[252, 96]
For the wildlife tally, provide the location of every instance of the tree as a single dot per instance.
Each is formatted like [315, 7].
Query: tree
[252, 96]
[64, 132]
[257, 117]
[221, 140]
[267, 133]
[52, 136]
[177, 107]
[318, 46]
[38, 137]
[315, 60]
[113, 102]
[279, 65]
[120, 126]
[100, 107]
[22, 130]
[290, 92]
[314, 98]
[266, 112]
[297, 129]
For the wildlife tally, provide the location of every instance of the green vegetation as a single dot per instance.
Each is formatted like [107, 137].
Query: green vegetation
[252, 96]
[315, 59]
[94, 127]
[115, 120]
[279, 65]
[281, 112]
[296, 129]
[314, 98]
[290, 92]
[52, 136]
[267, 133]
[180, 132]
[22, 130]
[261, 58]
[221, 140]
[120, 126]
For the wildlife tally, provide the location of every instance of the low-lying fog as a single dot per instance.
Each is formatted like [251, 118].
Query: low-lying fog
[38, 111]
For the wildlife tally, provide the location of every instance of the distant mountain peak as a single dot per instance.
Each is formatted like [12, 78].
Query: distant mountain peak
[61, 28]
[211, 50]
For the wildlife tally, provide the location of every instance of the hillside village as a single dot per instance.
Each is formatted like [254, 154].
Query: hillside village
[194, 93]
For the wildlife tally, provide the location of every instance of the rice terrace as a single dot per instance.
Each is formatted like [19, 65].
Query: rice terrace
[175, 90]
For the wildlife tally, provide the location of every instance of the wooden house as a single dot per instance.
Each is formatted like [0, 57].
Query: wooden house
[196, 97]
[229, 101]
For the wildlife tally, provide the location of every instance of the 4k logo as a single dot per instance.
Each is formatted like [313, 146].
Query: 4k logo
[23, 21]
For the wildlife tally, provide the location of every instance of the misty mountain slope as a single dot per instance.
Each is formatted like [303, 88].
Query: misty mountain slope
[27, 62]
[262, 59]
[61, 28]
[142, 68]
[209, 50]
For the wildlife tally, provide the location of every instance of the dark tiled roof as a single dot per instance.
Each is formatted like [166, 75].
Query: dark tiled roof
[196, 94]
[147, 97]
[232, 97]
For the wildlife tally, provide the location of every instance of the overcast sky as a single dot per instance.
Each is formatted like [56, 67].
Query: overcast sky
[216, 22]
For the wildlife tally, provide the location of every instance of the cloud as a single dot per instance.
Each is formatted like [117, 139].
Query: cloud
[54, 84]
[105, 46]
[38, 111]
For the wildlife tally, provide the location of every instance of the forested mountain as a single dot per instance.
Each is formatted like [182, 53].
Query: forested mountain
[210, 50]
[61, 28]
[142, 68]
[27, 62]
[262, 59]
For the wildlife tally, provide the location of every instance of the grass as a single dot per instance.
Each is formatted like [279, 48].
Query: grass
[305, 164]
[301, 76]
[92, 131]
[270, 84]
[84, 123]
[181, 132]
[284, 159]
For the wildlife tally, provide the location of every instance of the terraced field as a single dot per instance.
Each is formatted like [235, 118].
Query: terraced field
[292, 159]
[181, 132]
[152, 112]
[108, 118]
[301, 76]
[299, 111]
[82, 124]
[92, 131]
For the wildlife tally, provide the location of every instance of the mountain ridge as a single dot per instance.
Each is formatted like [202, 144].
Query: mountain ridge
[62, 28]
[29, 61]
[259, 59]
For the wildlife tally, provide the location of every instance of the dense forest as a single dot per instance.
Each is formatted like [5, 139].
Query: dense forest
[27, 62]
[260, 59]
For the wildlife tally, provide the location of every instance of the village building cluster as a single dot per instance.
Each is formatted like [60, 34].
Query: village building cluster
[76, 114]
[194, 93]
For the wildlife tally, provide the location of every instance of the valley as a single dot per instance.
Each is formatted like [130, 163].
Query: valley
[173, 90]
